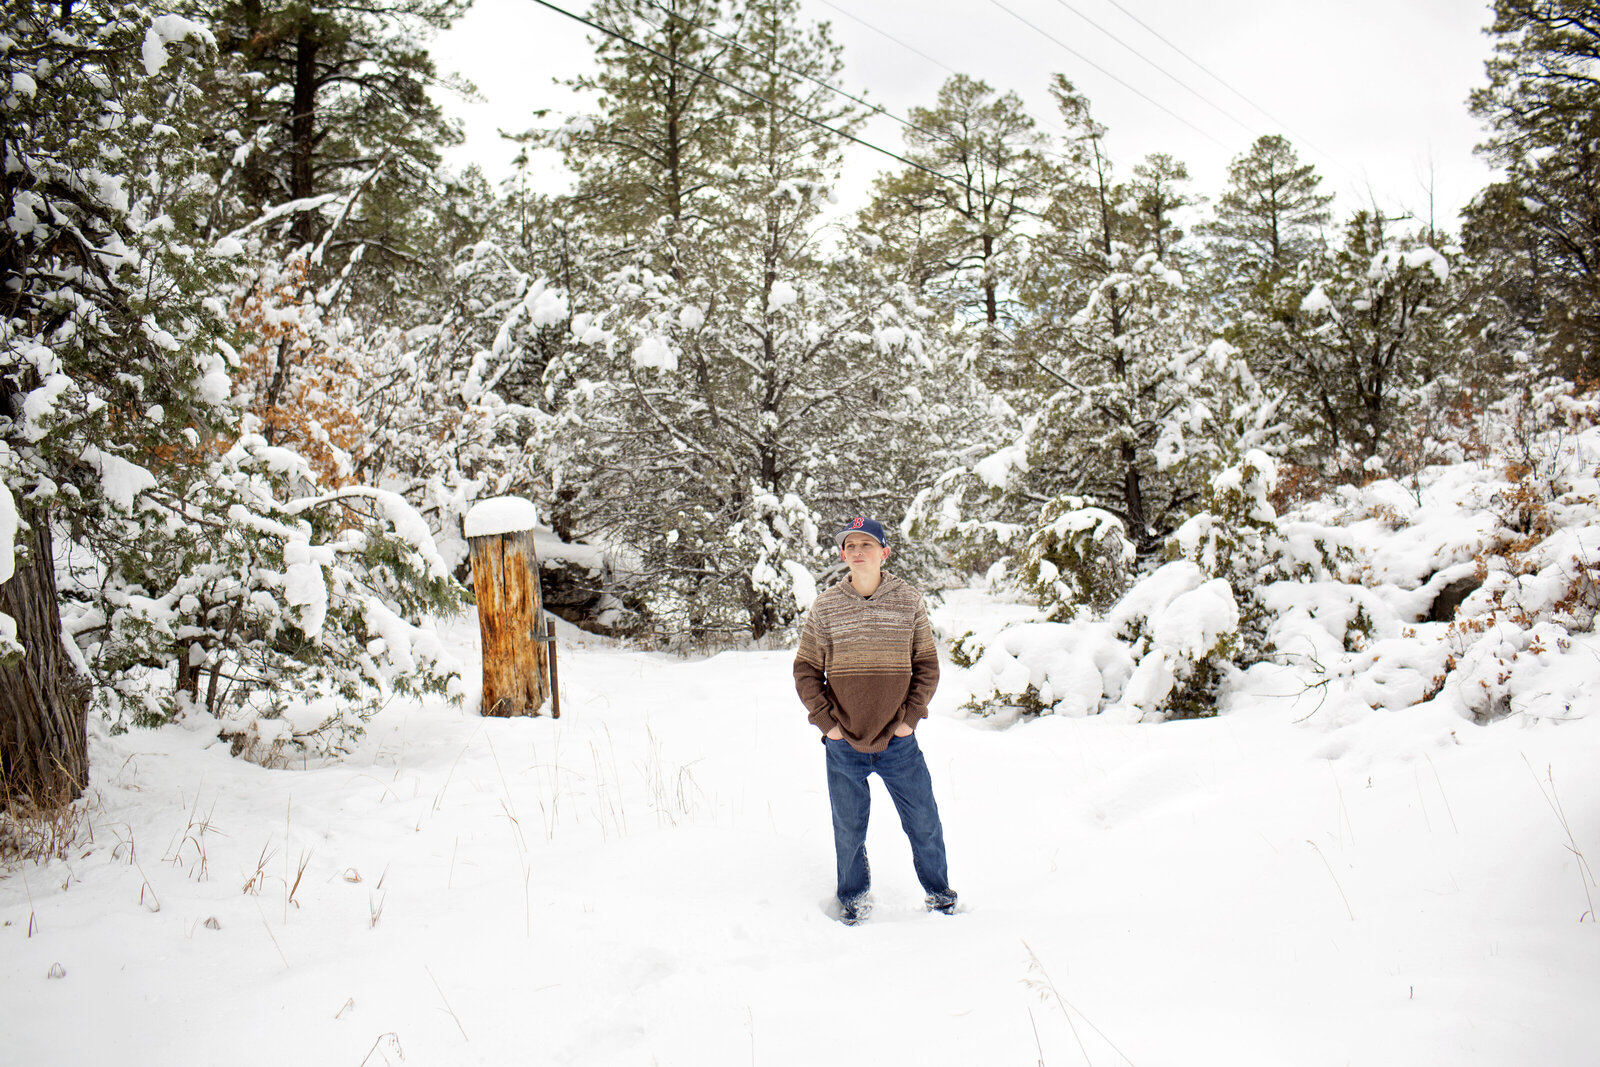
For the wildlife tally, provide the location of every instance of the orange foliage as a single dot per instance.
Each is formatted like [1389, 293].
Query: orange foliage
[297, 380]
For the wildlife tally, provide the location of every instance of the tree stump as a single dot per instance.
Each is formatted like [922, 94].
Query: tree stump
[505, 579]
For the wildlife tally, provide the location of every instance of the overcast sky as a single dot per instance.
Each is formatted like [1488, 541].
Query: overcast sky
[1373, 92]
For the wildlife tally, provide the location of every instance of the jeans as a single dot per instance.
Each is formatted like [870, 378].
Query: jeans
[905, 773]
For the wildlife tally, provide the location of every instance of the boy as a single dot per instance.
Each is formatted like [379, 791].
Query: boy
[865, 670]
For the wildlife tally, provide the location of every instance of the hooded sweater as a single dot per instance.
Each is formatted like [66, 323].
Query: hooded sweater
[867, 664]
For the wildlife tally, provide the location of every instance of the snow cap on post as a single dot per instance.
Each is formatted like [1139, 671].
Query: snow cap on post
[861, 524]
[500, 515]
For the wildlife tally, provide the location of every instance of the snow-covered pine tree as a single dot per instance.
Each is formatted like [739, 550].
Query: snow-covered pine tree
[1542, 104]
[1268, 220]
[650, 164]
[110, 349]
[955, 226]
[1127, 409]
[1140, 406]
[714, 397]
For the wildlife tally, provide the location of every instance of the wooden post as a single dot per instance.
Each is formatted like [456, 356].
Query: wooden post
[505, 578]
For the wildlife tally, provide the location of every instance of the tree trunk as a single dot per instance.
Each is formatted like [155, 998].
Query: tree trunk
[43, 702]
[303, 128]
[505, 577]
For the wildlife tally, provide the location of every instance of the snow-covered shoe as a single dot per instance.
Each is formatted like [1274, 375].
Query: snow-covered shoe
[943, 903]
[855, 913]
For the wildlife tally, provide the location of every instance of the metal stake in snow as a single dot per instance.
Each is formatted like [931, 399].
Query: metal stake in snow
[518, 652]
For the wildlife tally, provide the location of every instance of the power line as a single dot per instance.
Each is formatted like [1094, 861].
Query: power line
[935, 135]
[1163, 70]
[891, 37]
[879, 109]
[781, 107]
[946, 67]
[1131, 88]
[1218, 79]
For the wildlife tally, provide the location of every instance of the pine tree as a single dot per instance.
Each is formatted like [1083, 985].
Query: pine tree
[1372, 330]
[1268, 220]
[955, 225]
[1542, 104]
[704, 416]
[649, 166]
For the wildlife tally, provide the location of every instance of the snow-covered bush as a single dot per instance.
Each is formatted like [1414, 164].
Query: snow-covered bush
[1182, 627]
[235, 590]
[1079, 557]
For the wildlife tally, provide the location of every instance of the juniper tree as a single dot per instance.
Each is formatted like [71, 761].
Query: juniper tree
[108, 349]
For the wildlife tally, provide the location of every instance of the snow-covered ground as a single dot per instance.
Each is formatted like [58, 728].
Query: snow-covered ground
[644, 881]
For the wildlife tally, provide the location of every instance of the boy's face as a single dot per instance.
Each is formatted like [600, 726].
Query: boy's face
[861, 550]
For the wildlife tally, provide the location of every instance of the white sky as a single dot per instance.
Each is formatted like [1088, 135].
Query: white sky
[1371, 91]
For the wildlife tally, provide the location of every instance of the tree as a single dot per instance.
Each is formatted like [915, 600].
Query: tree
[648, 166]
[1372, 328]
[703, 418]
[1268, 220]
[1542, 105]
[1129, 407]
[335, 104]
[110, 350]
[954, 224]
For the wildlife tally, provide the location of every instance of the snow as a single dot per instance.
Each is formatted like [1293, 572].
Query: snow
[120, 480]
[783, 294]
[165, 30]
[802, 583]
[304, 586]
[8, 533]
[643, 881]
[995, 469]
[655, 352]
[500, 515]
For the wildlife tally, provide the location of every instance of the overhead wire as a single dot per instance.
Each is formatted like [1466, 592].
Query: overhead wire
[878, 108]
[612, 32]
[1164, 71]
[1131, 88]
[936, 135]
[1219, 80]
[1037, 121]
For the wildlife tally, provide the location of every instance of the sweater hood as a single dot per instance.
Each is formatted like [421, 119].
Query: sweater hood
[888, 581]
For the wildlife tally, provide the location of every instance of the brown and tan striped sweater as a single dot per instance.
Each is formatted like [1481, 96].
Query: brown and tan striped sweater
[867, 664]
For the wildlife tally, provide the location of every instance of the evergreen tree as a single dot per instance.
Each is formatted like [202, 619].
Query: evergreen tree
[955, 225]
[109, 350]
[704, 416]
[648, 167]
[1372, 331]
[1542, 105]
[1129, 408]
[1268, 220]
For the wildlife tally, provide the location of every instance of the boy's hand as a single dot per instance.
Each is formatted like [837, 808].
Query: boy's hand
[835, 734]
[902, 730]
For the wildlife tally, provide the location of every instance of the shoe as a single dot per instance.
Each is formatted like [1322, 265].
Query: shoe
[943, 903]
[855, 913]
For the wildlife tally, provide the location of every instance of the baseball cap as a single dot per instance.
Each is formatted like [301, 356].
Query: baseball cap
[861, 524]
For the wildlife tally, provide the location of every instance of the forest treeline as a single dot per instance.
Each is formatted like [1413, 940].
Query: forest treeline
[262, 351]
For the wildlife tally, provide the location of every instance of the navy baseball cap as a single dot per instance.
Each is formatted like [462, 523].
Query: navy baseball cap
[861, 524]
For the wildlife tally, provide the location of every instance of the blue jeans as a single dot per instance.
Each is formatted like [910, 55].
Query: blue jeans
[905, 773]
